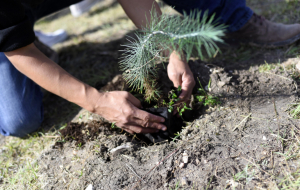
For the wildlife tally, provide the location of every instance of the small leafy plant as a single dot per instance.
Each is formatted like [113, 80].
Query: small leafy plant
[205, 98]
[173, 97]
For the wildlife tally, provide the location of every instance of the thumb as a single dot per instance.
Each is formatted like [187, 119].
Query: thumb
[134, 101]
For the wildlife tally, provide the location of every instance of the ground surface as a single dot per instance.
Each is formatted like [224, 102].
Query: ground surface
[249, 141]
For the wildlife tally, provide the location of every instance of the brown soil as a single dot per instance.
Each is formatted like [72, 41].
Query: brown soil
[83, 132]
[235, 145]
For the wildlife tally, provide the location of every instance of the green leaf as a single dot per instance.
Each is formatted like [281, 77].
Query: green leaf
[179, 88]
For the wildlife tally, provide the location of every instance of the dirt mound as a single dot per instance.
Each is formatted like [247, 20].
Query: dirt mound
[240, 144]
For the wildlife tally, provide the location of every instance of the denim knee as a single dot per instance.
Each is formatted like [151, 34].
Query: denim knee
[20, 124]
[21, 108]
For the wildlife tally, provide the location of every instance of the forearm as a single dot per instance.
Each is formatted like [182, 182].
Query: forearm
[139, 11]
[43, 71]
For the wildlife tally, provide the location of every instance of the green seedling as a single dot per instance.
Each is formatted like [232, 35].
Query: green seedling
[113, 125]
[183, 109]
[205, 98]
[176, 136]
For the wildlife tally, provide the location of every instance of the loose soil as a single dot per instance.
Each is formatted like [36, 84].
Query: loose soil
[234, 145]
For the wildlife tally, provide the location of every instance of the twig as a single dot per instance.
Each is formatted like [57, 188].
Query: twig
[242, 122]
[135, 173]
[155, 167]
[52, 136]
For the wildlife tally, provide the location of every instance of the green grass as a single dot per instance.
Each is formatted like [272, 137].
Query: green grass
[294, 110]
[269, 66]
[18, 167]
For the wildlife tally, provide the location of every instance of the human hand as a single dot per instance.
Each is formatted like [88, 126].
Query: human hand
[180, 74]
[121, 108]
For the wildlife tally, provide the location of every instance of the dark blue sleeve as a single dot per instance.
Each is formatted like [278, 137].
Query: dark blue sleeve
[15, 29]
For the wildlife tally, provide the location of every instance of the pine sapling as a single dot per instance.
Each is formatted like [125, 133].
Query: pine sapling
[167, 33]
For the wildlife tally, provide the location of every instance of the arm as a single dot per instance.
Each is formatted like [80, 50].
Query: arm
[178, 70]
[118, 107]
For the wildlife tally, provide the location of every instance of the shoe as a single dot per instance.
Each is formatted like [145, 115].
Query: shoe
[261, 32]
[50, 53]
[53, 38]
[82, 7]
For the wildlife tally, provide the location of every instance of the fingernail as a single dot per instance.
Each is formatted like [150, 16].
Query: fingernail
[164, 128]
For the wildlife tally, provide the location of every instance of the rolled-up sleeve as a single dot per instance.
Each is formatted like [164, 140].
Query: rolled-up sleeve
[15, 29]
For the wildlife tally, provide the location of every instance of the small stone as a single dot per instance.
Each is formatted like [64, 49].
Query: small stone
[184, 181]
[205, 161]
[89, 187]
[116, 78]
[166, 185]
[264, 138]
[75, 152]
[233, 183]
[221, 84]
[185, 157]
[298, 66]
[197, 161]
[206, 88]
[181, 165]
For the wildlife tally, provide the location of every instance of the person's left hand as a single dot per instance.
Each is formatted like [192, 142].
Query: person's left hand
[180, 74]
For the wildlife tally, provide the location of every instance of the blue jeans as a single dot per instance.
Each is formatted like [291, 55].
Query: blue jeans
[233, 13]
[21, 108]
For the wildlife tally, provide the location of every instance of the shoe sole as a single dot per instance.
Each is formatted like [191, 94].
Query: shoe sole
[276, 44]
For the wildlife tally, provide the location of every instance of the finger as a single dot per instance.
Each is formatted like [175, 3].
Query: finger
[184, 94]
[175, 112]
[187, 88]
[134, 101]
[129, 131]
[152, 125]
[148, 120]
[148, 117]
[176, 81]
[139, 129]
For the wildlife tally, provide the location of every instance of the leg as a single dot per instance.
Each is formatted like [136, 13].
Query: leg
[243, 25]
[21, 109]
[233, 13]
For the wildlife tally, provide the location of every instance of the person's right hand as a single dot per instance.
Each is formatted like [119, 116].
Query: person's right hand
[121, 108]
